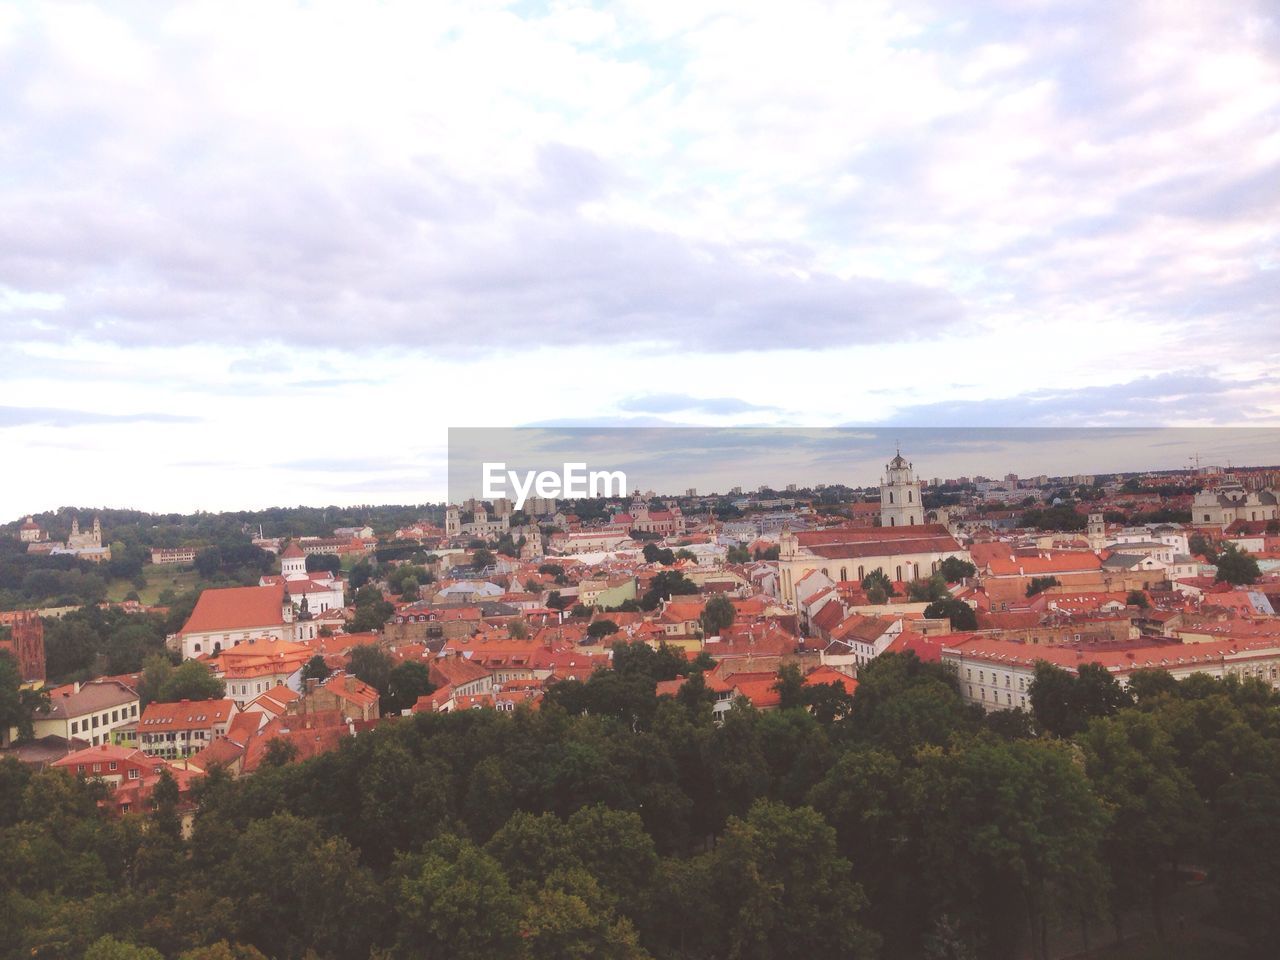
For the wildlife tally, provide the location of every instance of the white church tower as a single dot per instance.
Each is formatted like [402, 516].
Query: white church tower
[293, 563]
[900, 504]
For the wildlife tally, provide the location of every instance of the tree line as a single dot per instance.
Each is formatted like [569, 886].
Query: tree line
[899, 822]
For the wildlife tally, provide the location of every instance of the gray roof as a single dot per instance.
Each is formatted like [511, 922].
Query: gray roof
[1123, 561]
[92, 697]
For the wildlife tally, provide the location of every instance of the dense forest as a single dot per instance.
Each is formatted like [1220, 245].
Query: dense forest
[616, 824]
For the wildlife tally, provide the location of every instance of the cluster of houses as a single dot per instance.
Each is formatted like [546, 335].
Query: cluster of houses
[827, 592]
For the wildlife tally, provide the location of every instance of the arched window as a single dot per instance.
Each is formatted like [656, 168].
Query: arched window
[910, 497]
[899, 577]
[891, 496]
[893, 522]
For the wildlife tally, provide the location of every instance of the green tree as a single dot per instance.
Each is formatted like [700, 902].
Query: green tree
[1010, 825]
[960, 614]
[192, 680]
[1137, 598]
[903, 703]
[654, 554]
[717, 616]
[1200, 545]
[297, 889]
[601, 628]
[372, 610]
[156, 671]
[790, 687]
[1236, 566]
[109, 948]
[878, 580]
[222, 950]
[786, 894]
[1053, 702]
[666, 584]
[18, 706]
[373, 665]
[455, 902]
[928, 590]
[405, 684]
[1247, 859]
[1063, 703]
[955, 570]
[316, 669]
[1157, 816]
[1041, 584]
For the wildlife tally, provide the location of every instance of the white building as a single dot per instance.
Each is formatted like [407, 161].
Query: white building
[1229, 502]
[900, 504]
[996, 674]
[87, 711]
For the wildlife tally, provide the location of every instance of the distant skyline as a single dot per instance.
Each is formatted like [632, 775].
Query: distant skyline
[267, 253]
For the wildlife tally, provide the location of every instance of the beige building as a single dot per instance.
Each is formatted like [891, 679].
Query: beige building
[851, 553]
[1229, 502]
[88, 711]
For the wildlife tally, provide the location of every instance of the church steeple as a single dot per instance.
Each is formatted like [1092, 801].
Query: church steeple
[900, 504]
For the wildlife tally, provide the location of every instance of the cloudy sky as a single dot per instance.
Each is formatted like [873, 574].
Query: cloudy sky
[256, 253]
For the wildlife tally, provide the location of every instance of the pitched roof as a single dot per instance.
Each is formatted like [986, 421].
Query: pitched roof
[237, 608]
[186, 714]
[92, 697]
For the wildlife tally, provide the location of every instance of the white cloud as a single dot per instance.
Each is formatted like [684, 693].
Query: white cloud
[833, 210]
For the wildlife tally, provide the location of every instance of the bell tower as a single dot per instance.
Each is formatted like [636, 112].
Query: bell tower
[900, 504]
[1097, 531]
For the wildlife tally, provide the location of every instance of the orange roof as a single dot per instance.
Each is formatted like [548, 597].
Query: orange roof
[351, 689]
[455, 671]
[186, 714]
[237, 608]
[292, 551]
[760, 690]
[1066, 561]
[1117, 657]
[825, 675]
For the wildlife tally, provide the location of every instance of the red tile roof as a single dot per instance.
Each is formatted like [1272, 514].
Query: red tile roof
[186, 714]
[237, 608]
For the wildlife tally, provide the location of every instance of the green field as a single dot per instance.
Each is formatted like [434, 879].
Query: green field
[158, 578]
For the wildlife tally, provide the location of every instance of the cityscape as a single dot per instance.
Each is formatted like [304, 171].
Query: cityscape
[173, 666]
[639, 480]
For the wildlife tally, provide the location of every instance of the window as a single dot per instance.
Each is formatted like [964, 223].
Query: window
[115, 716]
[112, 765]
[74, 724]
